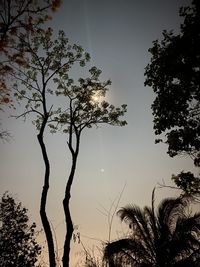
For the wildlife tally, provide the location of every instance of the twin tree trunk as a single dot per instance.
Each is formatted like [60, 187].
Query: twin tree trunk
[44, 218]
[66, 200]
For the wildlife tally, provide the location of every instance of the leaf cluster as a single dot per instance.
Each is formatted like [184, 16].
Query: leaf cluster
[187, 182]
[87, 106]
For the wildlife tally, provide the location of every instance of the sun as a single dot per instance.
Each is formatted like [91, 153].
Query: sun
[96, 98]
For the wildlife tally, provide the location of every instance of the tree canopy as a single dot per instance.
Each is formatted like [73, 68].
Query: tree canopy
[18, 245]
[174, 75]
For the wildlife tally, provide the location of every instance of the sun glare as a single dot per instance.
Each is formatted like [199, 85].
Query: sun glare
[96, 98]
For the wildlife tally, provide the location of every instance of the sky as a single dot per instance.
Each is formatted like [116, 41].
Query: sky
[117, 34]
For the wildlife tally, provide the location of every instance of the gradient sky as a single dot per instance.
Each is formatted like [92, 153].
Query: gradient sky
[117, 34]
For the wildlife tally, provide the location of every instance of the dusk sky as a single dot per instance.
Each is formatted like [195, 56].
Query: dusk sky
[117, 34]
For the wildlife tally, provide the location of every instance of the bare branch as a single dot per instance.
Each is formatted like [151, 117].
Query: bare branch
[28, 112]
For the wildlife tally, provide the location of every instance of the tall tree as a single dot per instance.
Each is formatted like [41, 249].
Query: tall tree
[44, 76]
[18, 245]
[174, 75]
[166, 237]
[86, 108]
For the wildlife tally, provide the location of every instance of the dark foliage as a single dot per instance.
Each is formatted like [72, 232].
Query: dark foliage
[174, 75]
[187, 182]
[18, 246]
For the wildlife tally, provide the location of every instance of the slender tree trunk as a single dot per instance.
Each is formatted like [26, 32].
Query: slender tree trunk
[44, 218]
[68, 219]
[70, 229]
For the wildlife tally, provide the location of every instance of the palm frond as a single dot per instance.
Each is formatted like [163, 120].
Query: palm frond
[169, 210]
[135, 217]
[165, 237]
[127, 251]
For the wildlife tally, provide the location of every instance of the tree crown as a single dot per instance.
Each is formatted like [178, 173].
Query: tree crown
[173, 73]
[18, 245]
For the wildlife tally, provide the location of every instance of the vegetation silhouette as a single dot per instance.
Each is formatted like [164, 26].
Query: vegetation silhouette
[173, 73]
[18, 245]
[85, 110]
[168, 236]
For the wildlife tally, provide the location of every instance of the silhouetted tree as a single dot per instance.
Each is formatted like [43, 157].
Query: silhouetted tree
[174, 73]
[44, 75]
[18, 245]
[166, 237]
[86, 108]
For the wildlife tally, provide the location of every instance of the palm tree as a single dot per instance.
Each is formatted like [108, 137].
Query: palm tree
[163, 238]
